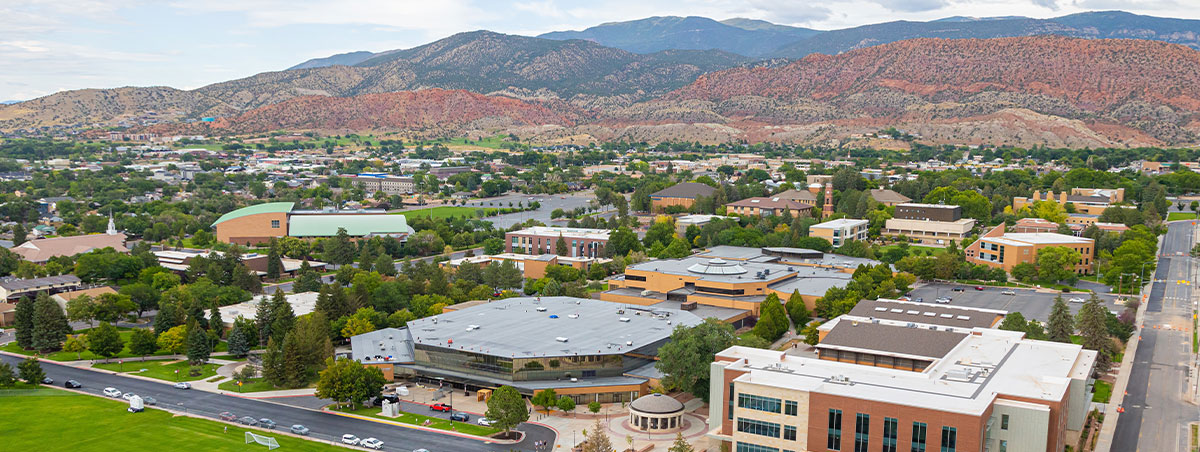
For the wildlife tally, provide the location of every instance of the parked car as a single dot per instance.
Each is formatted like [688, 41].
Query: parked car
[957, 289]
[72, 384]
[460, 417]
[247, 420]
[47, 381]
[943, 300]
[266, 423]
[1008, 292]
[350, 439]
[127, 395]
[420, 450]
[1076, 300]
[372, 443]
[226, 416]
[905, 298]
[485, 422]
[183, 385]
[112, 392]
[440, 407]
[300, 429]
[978, 287]
[149, 400]
[919, 300]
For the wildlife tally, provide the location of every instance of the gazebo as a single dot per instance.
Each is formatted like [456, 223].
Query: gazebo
[656, 413]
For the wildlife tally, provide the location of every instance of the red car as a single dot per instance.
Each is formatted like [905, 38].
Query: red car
[440, 407]
[227, 416]
[978, 287]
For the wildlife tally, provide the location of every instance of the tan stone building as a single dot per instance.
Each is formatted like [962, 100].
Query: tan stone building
[927, 232]
[998, 249]
[682, 195]
[1085, 200]
[888, 197]
[768, 206]
[837, 232]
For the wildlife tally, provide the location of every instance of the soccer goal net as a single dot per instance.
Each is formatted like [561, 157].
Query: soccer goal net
[264, 440]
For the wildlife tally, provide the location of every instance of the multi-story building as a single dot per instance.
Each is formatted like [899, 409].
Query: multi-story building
[378, 182]
[921, 378]
[931, 212]
[888, 197]
[929, 224]
[581, 242]
[839, 231]
[769, 206]
[682, 195]
[1085, 200]
[999, 249]
[259, 223]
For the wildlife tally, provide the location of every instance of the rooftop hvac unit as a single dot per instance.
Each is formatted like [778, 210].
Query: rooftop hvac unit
[574, 380]
[561, 339]
[629, 343]
[620, 311]
[625, 319]
[539, 309]
[573, 316]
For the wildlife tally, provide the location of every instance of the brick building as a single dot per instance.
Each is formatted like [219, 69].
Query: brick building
[999, 249]
[261, 222]
[683, 195]
[837, 232]
[932, 212]
[769, 206]
[581, 242]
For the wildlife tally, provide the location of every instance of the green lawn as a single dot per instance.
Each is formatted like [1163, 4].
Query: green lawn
[68, 356]
[1172, 216]
[493, 142]
[417, 419]
[56, 420]
[251, 385]
[1103, 391]
[441, 212]
[161, 369]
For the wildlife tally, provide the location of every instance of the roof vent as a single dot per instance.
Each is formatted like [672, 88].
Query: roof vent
[539, 309]
[573, 316]
[880, 309]
[561, 339]
[624, 319]
[629, 343]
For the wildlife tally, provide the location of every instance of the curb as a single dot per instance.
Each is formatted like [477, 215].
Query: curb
[427, 429]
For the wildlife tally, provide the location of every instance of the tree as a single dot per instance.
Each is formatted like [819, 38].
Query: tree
[1024, 272]
[385, 265]
[338, 249]
[661, 231]
[621, 242]
[346, 380]
[1056, 263]
[198, 346]
[263, 317]
[81, 309]
[274, 261]
[566, 404]
[7, 377]
[680, 444]
[307, 279]
[105, 341]
[597, 440]
[1093, 331]
[772, 320]
[19, 234]
[143, 296]
[76, 344]
[112, 307]
[272, 364]
[560, 246]
[173, 340]
[1061, 323]
[356, 326]
[1014, 321]
[142, 342]
[685, 359]
[678, 248]
[594, 407]
[283, 319]
[546, 399]
[493, 245]
[242, 337]
[24, 323]
[31, 370]
[506, 408]
[503, 275]
[51, 325]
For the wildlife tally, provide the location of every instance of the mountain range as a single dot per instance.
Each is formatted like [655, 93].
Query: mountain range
[697, 79]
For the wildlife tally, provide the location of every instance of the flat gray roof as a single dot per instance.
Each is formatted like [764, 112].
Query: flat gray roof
[536, 326]
[702, 310]
[681, 267]
[813, 281]
[386, 345]
[891, 339]
[945, 315]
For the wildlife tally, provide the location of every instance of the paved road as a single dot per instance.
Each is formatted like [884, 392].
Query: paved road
[1156, 413]
[1031, 304]
[324, 426]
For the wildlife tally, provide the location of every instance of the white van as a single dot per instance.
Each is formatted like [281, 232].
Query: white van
[112, 392]
[136, 405]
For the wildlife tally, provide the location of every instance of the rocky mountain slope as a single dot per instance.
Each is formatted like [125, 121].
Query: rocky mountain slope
[741, 36]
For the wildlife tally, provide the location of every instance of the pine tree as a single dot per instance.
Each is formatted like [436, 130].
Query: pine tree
[31, 370]
[24, 323]
[680, 444]
[1094, 331]
[338, 249]
[797, 310]
[215, 322]
[307, 279]
[7, 377]
[597, 440]
[282, 316]
[263, 318]
[19, 234]
[272, 364]
[240, 337]
[198, 348]
[1061, 324]
[51, 325]
[244, 279]
[560, 246]
[772, 320]
[385, 265]
[274, 261]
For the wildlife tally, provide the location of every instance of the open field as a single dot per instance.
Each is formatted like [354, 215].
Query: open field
[55, 420]
[469, 428]
[162, 369]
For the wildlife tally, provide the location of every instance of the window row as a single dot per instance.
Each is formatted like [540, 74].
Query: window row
[862, 434]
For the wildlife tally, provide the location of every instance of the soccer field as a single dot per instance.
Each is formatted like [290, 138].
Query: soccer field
[55, 420]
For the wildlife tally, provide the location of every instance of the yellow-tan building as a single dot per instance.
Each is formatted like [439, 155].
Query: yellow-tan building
[682, 195]
[999, 249]
[838, 231]
[1091, 201]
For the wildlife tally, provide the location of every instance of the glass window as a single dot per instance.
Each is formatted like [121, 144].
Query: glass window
[731, 399]
[275, 224]
[833, 440]
[890, 425]
[1003, 446]
[789, 433]
[1003, 422]
[747, 447]
[949, 439]
[862, 432]
[759, 403]
[789, 408]
[756, 427]
[918, 436]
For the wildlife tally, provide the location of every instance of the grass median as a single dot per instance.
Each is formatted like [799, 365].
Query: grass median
[417, 419]
[162, 369]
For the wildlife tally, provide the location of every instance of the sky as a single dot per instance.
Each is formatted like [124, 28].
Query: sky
[48, 46]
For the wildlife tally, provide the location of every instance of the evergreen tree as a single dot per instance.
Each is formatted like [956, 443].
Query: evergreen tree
[105, 341]
[366, 260]
[7, 377]
[385, 265]
[24, 323]
[282, 317]
[198, 348]
[597, 440]
[295, 373]
[263, 317]
[307, 279]
[1094, 331]
[274, 261]
[215, 323]
[31, 370]
[272, 364]
[680, 444]
[168, 317]
[1061, 323]
[338, 249]
[245, 280]
[560, 246]
[797, 310]
[19, 234]
[51, 325]
[241, 336]
[772, 319]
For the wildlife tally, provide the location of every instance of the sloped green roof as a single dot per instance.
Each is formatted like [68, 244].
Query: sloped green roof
[270, 207]
[356, 225]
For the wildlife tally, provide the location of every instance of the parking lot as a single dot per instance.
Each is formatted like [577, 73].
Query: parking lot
[1030, 303]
